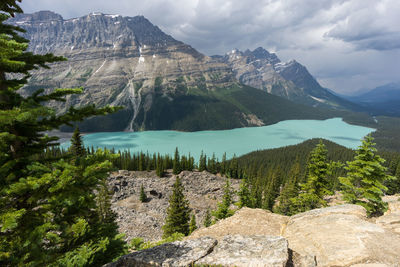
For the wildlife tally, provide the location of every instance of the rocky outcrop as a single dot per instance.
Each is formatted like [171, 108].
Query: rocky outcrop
[233, 250]
[173, 254]
[391, 218]
[248, 251]
[137, 219]
[342, 236]
[339, 235]
[245, 222]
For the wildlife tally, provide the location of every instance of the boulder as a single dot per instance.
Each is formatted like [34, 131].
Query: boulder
[246, 251]
[245, 222]
[342, 236]
[175, 254]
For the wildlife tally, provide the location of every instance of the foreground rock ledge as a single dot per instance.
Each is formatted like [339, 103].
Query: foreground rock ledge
[180, 253]
[335, 236]
[233, 250]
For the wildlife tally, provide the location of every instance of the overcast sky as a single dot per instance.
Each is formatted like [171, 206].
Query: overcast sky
[346, 44]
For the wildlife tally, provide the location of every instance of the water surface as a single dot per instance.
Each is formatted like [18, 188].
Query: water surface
[237, 141]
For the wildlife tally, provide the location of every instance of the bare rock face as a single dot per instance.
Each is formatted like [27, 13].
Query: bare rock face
[236, 250]
[175, 254]
[245, 222]
[342, 236]
[263, 70]
[247, 251]
[120, 61]
[391, 218]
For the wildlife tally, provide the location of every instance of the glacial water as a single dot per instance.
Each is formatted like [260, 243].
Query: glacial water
[237, 141]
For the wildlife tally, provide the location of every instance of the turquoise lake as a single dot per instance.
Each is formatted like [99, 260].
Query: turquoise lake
[236, 141]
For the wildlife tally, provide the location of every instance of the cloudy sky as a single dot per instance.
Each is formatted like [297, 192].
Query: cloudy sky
[347, 45]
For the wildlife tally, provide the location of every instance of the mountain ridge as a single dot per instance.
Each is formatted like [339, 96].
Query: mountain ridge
[130, 62]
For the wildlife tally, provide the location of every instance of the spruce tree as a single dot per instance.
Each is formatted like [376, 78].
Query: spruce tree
[244, 193]
[178, 212]
[48, 209]
[207, 218]
[142, 196]
[289, 191]
[364, 182]
[317, 172]
[317, 185]
[77, 149]
[192, 224]
[176, 167]
[202, 162]
[223, 211]
[272, 190]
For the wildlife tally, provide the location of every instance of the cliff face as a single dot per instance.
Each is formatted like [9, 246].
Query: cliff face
[291, 80]
[124, 61]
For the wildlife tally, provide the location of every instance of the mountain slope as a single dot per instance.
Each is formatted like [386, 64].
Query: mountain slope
[291, 80]
[162, 83]
[383, 100]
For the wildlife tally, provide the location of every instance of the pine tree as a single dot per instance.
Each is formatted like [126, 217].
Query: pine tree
[77, 149]
[245, 198]
[289, 191]
[142, 196]
[317, 185]
[272, 190]
[176, 167]
[363, 184]
[202, 162]
[317, 172]
[48, 209]
[223, 211]
[192, 224]
[223, 164]
[207, 218]
[178, 212]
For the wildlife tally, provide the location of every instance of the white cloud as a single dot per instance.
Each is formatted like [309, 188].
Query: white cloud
[346, 44]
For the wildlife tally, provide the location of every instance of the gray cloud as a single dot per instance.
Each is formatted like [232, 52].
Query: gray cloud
[346, 44]
[372, 24]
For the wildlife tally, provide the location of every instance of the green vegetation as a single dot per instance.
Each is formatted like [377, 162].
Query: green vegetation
[192, 224]
[364, 182]
[85, 76]
[245, 197]
[142, 195]
[178, 212]
[50, 214]
[139, 244]
[223, 211]
[207, 218]
[219, 109]
[316, 187]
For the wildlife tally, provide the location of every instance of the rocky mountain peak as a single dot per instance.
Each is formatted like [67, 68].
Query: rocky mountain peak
[262, 54]
[40, 16]
[49, 32]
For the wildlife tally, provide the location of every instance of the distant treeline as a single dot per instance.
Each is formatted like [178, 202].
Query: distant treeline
[266, 171]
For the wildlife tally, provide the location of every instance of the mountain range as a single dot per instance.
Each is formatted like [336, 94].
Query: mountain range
[166, 84]
[382, 100]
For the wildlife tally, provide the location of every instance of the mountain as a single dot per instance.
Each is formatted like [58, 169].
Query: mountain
[162, 83]
[382, 100]
[291, 80]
